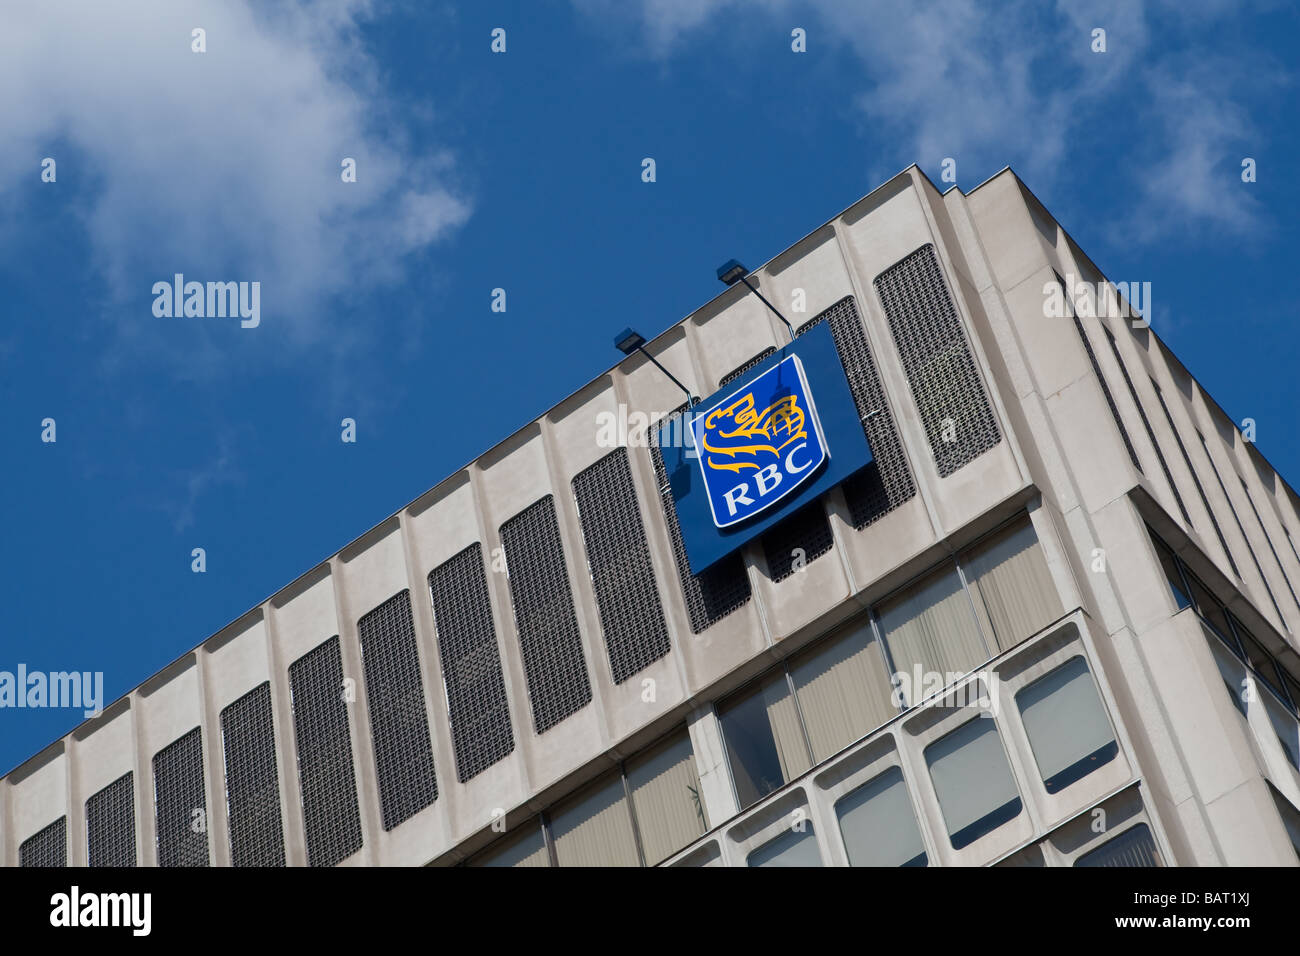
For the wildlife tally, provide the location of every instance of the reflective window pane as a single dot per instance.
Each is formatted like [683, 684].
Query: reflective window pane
[525, 849]
[931, 629]
[1066, 725]
[1009, 580]
[1260, 660]
[791, 848]
[1172, 574]
[666, 797]
[1134, 847]
[765, 744]
[878, 824]
[595, 829]
[972, 781]
[843, 690]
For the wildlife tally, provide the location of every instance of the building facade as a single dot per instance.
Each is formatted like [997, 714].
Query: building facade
[1050, 623]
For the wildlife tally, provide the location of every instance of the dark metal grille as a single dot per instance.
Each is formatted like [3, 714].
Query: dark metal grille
[47, 847]
[1164, 465]
[471, 663]
[806, 530]
[1105, 390]
[544, 617]
[737, 372]
[720, 588]
[886, 483]
[399, 722]
[331, 818]
[621, 574]
[110, 824]
[950, 398]
[252, 780]
[180, 802]
[1187, 460]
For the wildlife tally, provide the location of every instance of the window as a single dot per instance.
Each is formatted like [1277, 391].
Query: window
[600, 826]
[1228, 670]
[595, 829]
[878, 824]
[1290, 820]
[931, 627]
[666, 797]
[765, 743]
[1010, 582]
[1293, 689]
[1259, 659]
[1030, 856]
[849, 684]
[1209, 607]
[791, 848]
[1133, 847]
[1067, 728]
[1173, 573]
[525, 849]
[973, 781]
[1285, 727]
[843, 690]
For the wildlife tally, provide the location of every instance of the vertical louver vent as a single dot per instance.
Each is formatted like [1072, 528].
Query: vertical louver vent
[619, 559]
[722, 587]
[399, 722]
[945, 381]
[471, 663]
[331, 818]
[252, 781]
[886, 483]
[47, 847]
[110, 824]
[181, 803]
[544, 617]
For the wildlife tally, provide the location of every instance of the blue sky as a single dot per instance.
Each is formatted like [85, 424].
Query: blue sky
[522, 171]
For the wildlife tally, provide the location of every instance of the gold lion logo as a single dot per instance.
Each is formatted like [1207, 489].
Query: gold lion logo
[740, 437]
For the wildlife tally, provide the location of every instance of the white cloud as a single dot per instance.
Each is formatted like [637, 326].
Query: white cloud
[1017, 83]
[224, 164]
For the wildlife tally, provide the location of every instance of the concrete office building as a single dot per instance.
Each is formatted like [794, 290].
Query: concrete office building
[520, 667]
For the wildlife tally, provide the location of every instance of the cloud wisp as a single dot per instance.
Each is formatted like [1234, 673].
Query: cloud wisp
[224, 164]
[1021, 83]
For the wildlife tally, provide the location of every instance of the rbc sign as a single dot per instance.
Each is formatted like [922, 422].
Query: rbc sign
[761, 449]
[759, 443]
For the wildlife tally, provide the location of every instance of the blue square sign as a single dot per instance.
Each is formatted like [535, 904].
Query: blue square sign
[759, 443]
[756, 451]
